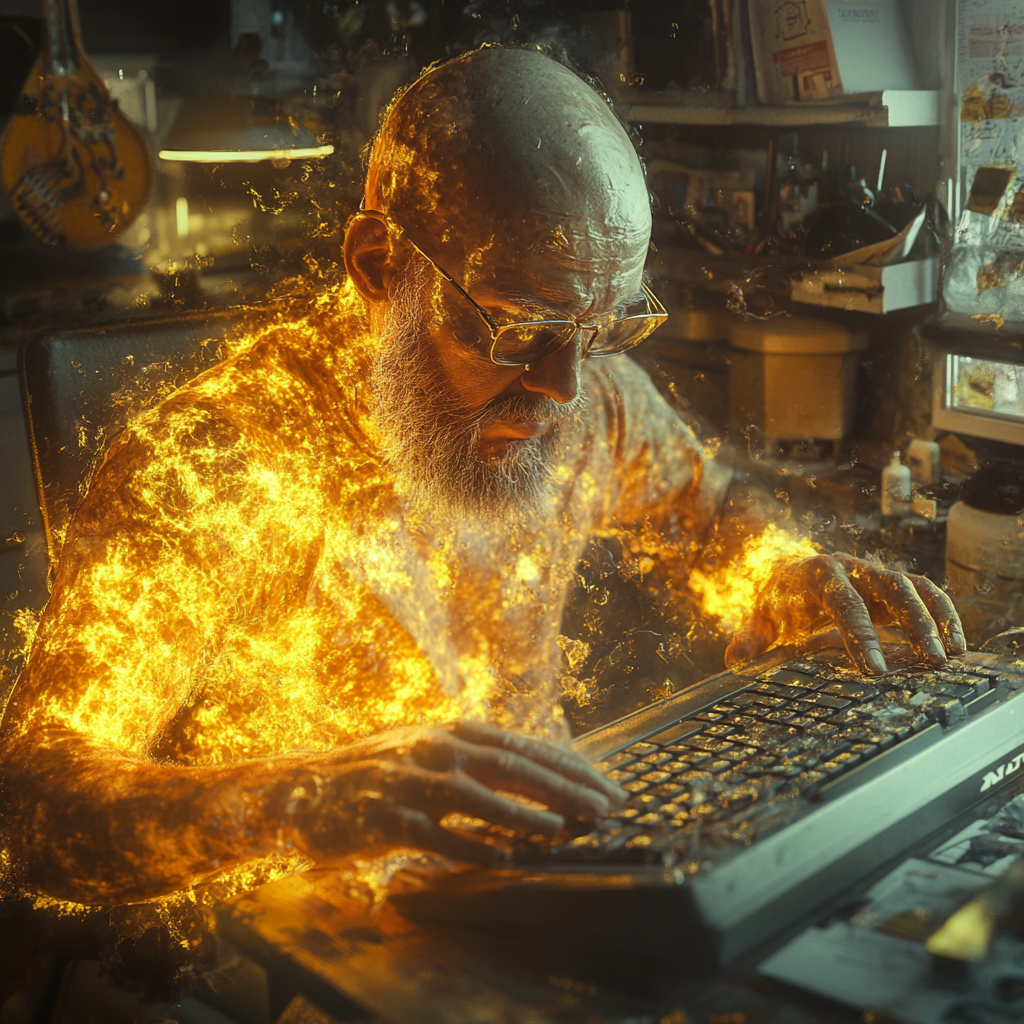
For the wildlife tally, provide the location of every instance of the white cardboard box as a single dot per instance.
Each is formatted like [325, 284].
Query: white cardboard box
[819, 49]
[870, 289]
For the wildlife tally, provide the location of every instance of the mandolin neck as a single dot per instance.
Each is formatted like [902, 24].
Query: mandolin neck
[62, 46]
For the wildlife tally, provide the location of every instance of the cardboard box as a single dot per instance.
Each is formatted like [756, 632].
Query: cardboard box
[794, 57]
[818, 49]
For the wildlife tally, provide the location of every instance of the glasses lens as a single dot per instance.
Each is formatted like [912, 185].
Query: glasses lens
[621, 335]
[520, 344]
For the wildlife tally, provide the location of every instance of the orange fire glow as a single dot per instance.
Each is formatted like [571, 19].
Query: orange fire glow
[730, 594]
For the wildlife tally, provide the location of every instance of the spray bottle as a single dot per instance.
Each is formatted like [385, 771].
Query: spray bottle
[896, 492]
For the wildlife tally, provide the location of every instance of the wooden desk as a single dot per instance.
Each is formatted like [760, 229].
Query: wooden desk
[353, 960]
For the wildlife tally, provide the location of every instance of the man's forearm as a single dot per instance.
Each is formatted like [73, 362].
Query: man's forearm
[96, 829]
[747, 508]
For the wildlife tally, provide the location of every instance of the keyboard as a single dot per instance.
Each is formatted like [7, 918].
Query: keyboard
[756, 796]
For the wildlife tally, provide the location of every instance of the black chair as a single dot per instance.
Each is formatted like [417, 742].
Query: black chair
[81, 387]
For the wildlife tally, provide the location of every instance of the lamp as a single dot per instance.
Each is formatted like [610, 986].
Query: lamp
[237, 129]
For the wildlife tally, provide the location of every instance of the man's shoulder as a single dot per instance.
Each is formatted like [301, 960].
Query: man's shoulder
[268, 421]
[279, 392]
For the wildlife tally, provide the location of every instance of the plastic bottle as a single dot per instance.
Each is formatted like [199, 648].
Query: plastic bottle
[896, 492]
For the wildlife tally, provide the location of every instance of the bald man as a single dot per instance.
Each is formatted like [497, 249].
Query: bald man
[291, 578]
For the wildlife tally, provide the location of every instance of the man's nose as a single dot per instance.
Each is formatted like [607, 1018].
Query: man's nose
[558, 376]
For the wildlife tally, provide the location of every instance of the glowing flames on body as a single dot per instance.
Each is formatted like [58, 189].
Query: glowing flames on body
[323, 540]
[244, 582]
[730, 594]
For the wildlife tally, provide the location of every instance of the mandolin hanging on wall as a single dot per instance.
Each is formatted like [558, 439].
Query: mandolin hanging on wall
[77, 171]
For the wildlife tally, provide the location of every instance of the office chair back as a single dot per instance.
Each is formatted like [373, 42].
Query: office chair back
[82, 386]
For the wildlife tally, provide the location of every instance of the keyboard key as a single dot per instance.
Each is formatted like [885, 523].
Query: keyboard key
[979, 684]
[620, 776]
[655, 778]
[756, 765]
[765, 736]
[717, 730]
[654, 759]
[731, 780]
[794, 708]
[739, 754]
[810, 779]
[701, 778]
[636, 786]
[793, 676]
[837, 765]
[743, 793]
[764, 699]
[639, 749]
[679, 766]
[640, 842]
[626, 813]
[801, 666]
[831, 750]
[823, 700]
[709, 716]
[668, 790]
[646, 802]
[851, 691]
[717, 767]
[649, 820]
[845, 719]
[742, 721]
[952, 714]
[807, 760]
[822, 730]
[778, 690]
[708, 743]
[865, 750]
[614, 761]
[689, 754]
[804, 722]
[882, 740]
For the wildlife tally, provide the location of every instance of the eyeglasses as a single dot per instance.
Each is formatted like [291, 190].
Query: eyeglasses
[532, 341]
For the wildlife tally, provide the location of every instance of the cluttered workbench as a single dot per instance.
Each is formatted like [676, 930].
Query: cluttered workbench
[322, 944]
[931, 931]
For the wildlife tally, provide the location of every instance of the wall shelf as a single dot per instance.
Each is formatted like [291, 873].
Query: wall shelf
[858, 289]
[893, 108]
[869, 289]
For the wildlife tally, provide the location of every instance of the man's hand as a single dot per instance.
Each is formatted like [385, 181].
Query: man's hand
[850, 594]
[394, 790]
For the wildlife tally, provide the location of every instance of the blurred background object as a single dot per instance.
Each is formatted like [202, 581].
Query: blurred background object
[77, 171]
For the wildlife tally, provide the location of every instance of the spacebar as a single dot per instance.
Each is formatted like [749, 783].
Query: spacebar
[879, 763]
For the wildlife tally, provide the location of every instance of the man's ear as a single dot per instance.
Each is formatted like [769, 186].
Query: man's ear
[368, 257]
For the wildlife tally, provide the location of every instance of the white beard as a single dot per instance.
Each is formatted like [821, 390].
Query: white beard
[430, 441]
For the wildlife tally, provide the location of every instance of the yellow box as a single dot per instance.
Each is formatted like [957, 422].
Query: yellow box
[793, 378]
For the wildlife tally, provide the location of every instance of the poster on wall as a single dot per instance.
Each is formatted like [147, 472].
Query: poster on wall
[985, 272]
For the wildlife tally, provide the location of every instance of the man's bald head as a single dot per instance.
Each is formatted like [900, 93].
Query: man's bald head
[503, 155]
[515, 177]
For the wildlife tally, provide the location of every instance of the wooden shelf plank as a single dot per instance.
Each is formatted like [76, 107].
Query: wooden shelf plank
[893, 108]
